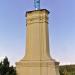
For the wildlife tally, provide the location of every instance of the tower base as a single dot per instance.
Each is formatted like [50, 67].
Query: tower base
[37, 67]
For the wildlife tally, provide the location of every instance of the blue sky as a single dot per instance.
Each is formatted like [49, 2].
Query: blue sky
[61, 28]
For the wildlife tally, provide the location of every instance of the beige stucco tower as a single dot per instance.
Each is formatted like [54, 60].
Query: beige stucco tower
[37, 60]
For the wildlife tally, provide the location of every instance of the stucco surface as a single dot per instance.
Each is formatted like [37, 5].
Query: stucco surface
[37, 60]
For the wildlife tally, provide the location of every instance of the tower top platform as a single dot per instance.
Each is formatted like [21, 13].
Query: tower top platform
[37, 11]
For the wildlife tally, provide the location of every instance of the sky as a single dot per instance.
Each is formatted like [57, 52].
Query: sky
[61, 29]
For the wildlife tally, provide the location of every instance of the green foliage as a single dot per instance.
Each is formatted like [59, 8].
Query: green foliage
[67, 70]
[6, 69]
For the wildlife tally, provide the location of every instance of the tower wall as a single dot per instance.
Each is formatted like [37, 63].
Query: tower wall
[37, 42]
[37, 60]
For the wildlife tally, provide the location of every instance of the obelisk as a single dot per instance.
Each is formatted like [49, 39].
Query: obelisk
[37, 60]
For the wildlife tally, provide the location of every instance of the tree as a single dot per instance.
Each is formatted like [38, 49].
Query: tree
[6, 69]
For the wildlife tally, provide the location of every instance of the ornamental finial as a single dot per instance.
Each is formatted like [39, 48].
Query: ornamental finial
[37, 4]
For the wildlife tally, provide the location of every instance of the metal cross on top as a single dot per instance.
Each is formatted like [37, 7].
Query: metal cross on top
[37, 4]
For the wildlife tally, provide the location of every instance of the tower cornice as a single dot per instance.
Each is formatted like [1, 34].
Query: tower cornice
[36, 11]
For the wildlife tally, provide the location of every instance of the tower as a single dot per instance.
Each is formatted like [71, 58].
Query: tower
[37, 60]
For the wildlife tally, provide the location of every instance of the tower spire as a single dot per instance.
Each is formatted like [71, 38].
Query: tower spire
[37, 4]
